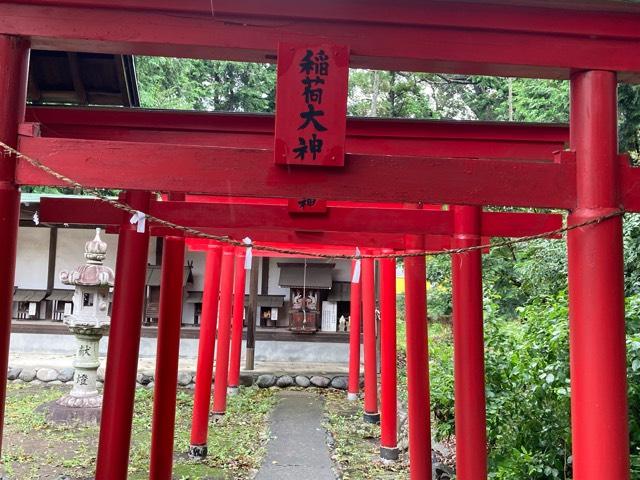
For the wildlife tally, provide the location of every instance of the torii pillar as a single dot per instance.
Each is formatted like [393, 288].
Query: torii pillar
[596, 290]
[124, 343]
[206, 348]
[224, 332]
[354, 331]
[468, 339]
[417, 360]
[14, 58]
[388, 353]
[167, 357]
[238, 320]
[371, 414]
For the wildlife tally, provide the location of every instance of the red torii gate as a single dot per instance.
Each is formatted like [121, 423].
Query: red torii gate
[246, 214]
[593, 48]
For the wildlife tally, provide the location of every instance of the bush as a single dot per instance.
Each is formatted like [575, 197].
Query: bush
[528, 389]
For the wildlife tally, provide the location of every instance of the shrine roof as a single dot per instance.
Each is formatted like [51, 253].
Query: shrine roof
[78, 78]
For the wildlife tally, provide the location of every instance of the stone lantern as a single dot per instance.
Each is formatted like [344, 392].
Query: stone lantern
[89, 322]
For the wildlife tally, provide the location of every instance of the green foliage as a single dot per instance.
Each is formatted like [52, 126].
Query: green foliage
[439, 292]
[389, 94]
[187, 84]
[528, 390]
[527, 365]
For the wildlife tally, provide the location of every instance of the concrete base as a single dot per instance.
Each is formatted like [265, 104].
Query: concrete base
[388, 453]
[215, 416]
[56, 413]
[371, 418]
[352, 397]
[231, 391]
[266, 351]
[197, 452]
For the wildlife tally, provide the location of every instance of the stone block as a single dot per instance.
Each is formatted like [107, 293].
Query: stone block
[27, 375]
[320, 381]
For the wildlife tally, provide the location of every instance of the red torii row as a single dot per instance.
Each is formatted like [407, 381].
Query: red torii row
[249, 215]
[593, 47]
[416, 467]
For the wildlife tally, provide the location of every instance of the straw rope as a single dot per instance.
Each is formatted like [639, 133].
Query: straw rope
[192, 232]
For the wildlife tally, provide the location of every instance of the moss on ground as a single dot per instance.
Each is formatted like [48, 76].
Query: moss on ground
[36, 449]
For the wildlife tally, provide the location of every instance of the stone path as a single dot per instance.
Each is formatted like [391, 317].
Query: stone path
[298, 448]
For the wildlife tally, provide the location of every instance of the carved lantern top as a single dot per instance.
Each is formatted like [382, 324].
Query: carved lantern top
[93, 273]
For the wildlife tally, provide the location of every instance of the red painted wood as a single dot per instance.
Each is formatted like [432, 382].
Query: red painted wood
[388, 359]
[518, 224]
[364, 135]
[600, 435]
[418, 410]
[238, 319]
[468, 340]
[355, 327]
[246, 172]
[369, 331]
[311, 104]
[255, 218]
[224, 333]
[494, 16]
[14, 58]
[124, 342]
[510, 45]
[168, 352]
[307, 205]
[206, 348]
[314, 241]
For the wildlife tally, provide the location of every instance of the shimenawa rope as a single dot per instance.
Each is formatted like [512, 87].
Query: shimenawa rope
[192, 232]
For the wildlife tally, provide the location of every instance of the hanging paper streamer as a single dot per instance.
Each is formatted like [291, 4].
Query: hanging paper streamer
[356, 269]
[249, 255]
[140, 219]
[36, 218]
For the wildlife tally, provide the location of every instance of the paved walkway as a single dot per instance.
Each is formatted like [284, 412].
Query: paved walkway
[298, 448]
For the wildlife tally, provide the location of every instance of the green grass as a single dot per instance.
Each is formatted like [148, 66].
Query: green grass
[36, 449]
[356, 449]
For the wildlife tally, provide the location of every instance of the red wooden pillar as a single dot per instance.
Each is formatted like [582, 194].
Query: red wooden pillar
[388, 380]
[206, 347]
[124, 342]
[354, 331]
[596, 291]
[468, 338]
[371, 414]
[167, 356]
[224, 333]
[417, 361]
[238, 320]
[14, 58]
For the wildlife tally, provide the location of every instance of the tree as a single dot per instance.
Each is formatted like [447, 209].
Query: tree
[187, 84]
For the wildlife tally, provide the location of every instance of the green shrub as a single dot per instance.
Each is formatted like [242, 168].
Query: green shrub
[528, 387]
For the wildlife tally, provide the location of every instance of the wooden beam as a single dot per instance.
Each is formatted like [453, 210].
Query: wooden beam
[371, 136]
[76, 78]
[254, 218]
[251, 172]
[412, 36]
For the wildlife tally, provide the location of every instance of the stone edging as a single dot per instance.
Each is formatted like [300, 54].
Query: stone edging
[186, 379]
